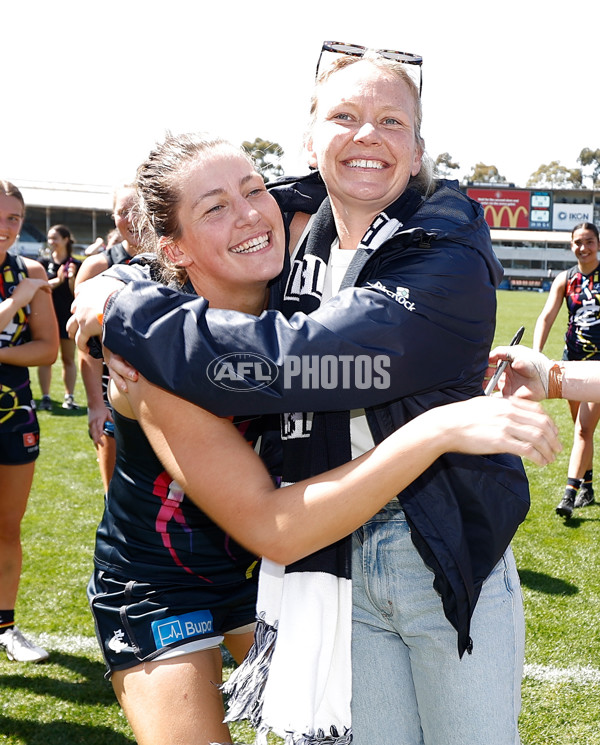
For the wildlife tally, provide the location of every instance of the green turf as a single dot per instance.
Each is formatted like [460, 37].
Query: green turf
[67, 700]
[559, 564]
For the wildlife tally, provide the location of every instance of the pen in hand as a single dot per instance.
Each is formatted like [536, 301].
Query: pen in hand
[502, 366]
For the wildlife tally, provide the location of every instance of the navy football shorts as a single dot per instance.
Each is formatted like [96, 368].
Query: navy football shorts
[138, 622]
[18, 448]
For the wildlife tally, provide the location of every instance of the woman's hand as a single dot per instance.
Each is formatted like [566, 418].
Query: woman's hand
[35, 291]
[22, 295]
[490, 424]
[71, 270]
[121, 371]
[88, 307]
[527, 374]
[26, 290]
[97, 416]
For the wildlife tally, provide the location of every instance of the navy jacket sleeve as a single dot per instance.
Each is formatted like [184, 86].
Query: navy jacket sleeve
[421, 320]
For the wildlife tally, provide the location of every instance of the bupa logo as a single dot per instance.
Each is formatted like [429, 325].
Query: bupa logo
[178, 628]
[168, 632]
[240, 371]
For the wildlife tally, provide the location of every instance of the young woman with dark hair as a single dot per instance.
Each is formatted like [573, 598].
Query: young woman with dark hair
[61, 269]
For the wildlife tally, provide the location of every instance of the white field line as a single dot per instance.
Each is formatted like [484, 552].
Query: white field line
[70, 643]
[551, 674]
[544, 673]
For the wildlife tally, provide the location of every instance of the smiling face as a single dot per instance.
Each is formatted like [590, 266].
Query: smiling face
[11, 220]
[363, 138]
[125, 200]
[585, 246]
[58, 243]
[232, 239]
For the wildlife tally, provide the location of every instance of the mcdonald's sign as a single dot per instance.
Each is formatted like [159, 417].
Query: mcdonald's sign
[503, 208]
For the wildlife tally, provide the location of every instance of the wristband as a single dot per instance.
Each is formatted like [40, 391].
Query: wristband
[555, 380]
[100, 318]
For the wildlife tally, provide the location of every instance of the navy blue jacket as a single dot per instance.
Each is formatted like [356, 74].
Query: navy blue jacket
[426, 302]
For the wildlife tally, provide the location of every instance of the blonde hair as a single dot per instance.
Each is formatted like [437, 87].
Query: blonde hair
[424, 180]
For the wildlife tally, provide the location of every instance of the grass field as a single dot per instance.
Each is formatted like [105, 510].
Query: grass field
[67, 700]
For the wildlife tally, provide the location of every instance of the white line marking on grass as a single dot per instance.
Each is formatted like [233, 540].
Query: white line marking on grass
[551, 674]
[73, 643]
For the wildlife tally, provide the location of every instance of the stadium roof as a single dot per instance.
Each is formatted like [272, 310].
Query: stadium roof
[76, 196]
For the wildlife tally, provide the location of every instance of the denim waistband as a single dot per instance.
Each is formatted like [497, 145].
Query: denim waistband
[391, 511]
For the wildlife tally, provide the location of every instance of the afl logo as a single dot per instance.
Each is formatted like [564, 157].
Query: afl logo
[238, 371]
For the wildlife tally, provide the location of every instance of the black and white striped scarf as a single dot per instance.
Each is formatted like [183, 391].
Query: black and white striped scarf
[296, 679]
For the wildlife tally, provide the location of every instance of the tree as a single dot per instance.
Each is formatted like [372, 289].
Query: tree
[444, 164]
[485, 174]
[588, 157]
[266, 155]
[555, 176]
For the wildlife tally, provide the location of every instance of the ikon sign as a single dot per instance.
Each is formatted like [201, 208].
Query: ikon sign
[567, 216]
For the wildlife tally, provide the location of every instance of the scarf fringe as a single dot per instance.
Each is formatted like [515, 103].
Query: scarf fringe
[245, 689]
[320, 738]
[316, 738]
[246, 684]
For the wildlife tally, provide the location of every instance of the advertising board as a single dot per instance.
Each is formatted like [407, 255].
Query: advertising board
[567, 216]
[503, 208]
[515, 208]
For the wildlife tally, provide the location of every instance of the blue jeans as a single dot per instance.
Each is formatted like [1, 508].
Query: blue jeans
[409, 685]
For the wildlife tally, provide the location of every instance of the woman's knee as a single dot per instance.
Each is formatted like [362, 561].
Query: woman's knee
[191, 706]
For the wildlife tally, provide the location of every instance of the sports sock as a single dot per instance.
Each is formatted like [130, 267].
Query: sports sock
[7, 620]
[572, 487]
[588, 477]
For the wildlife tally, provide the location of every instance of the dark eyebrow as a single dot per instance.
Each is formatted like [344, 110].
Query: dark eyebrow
[216, 192]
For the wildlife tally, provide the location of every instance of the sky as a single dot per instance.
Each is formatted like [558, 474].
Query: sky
[90, 86]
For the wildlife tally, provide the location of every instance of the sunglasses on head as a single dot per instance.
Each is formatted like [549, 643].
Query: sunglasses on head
[355, 50]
